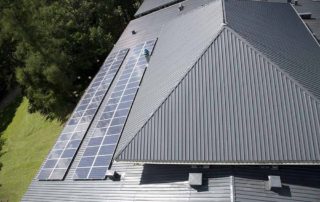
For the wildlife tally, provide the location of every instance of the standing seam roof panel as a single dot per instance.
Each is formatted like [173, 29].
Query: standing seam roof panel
[255, 113]
[138, 183]
[251, 187]
[277, 31]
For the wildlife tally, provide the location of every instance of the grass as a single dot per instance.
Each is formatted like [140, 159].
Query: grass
[28, 139]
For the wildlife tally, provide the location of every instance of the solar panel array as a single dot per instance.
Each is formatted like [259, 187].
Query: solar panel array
[98, 154]
[62, 154]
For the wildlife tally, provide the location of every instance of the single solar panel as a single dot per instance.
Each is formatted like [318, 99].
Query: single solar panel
[65, 149]
[98, 154]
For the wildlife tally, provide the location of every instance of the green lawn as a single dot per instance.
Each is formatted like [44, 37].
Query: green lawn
[29, 137]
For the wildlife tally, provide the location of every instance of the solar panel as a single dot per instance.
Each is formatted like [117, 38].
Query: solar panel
[98, 155]
[62, 154]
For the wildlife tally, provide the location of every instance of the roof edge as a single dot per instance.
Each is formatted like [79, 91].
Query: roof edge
[316, 163]
[156, 8]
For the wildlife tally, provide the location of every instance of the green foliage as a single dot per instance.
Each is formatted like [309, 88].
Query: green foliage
[60, 44]
[7, 63]
[28, 139]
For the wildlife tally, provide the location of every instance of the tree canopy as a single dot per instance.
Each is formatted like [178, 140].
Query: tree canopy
[56, 46]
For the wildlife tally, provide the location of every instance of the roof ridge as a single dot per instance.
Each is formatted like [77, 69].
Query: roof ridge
[173, 89]
[274, 64]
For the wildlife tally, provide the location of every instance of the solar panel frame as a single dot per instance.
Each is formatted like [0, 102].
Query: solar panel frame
[97, 157]
[61, 156]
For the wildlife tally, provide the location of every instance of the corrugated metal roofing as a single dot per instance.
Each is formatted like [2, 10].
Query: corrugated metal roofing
[298, 184]
[278, 32]
[169, 183]
[180, 44]
[234, 106]
[139, 183]
[153, 5]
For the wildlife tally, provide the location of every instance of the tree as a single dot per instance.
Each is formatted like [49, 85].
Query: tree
[60, 44]
[7, 63]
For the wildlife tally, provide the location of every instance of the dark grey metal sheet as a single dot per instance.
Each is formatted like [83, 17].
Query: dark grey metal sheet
[278, 32]
[234, 106]
[298, 184]
[139, 183]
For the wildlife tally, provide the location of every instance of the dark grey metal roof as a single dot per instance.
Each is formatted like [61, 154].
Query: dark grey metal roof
[278, 32]
[298, 184]
[313, 7]
[169, 183]
[179, 45]
[139, 183]
[153, 5]
[234, 106]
